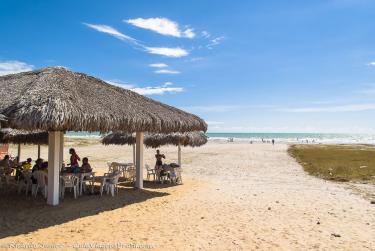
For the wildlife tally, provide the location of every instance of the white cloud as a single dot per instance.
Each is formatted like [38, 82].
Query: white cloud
[214, 42]
[166, 71]
[149, 90]
[189, 33]
[371, 63]
[205, 34]
[158, 65]
[162, 26]
[10, 67]
[212, 123]
[165, 51]
[339, 108]
[212, 108]
[111, 31]
[168, 52]
[120, 84]
[157, 90]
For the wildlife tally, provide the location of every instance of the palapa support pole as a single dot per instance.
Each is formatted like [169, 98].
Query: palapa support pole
[61, 159]
[139, 160]
[19, 153]
[134, 154]
[54, 159]
[179, 155]
[38, 151]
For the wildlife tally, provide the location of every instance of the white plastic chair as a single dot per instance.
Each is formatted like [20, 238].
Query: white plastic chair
[26, 182]
[110, 182]
[150, 172]
[84, 179]
[41, 179]
[69, 181]
[131, 173]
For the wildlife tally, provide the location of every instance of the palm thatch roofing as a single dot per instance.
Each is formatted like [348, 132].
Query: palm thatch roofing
[56, 99]
[13, 136]
[154, 140]
[119, 139]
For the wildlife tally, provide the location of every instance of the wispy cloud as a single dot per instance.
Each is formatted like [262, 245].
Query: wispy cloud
[166, 71]
[168, 52]
[338, 108]
[213, 108]
[14, 66]
[205, 34]
[110, 31]
[120, 84]
[214, 42]
[158, 65]
[371, 64]
[212, 123]
[166, 88]
[164, 51]
[162, 26]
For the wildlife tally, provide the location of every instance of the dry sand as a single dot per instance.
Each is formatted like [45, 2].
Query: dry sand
[235, 196]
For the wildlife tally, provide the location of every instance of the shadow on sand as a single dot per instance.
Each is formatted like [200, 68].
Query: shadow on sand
[21, 214]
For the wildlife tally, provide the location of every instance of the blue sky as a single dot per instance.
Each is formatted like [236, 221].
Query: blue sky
[243, 66]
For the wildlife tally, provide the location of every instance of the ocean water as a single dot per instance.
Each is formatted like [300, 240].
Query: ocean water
[326, 138]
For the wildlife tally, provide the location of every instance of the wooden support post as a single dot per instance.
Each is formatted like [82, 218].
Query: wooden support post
[54, 145]
[61, 159]
[179, 155]
[38, 151]
[19, 153]
[134, 154]
[139, 160]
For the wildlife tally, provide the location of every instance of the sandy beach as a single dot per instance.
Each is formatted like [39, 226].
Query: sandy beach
[235, 196]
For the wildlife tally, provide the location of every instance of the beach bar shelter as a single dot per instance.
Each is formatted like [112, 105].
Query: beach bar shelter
[19, 137]
[154, 140]
[57, 100]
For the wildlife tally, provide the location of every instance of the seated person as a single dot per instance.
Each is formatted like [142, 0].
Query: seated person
[45, 166]
[27, 166]
[36, 167]
[86, 167]
[74, 161]
[4, 163]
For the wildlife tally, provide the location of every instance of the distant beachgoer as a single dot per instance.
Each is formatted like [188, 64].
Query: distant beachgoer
[273, 141]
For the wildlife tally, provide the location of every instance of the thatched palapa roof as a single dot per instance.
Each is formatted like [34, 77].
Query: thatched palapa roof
[13, 136]
[56, 99]
[119, 139]
[155, 140]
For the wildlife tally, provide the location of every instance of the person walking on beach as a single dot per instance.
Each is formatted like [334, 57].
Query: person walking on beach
[273, 142]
